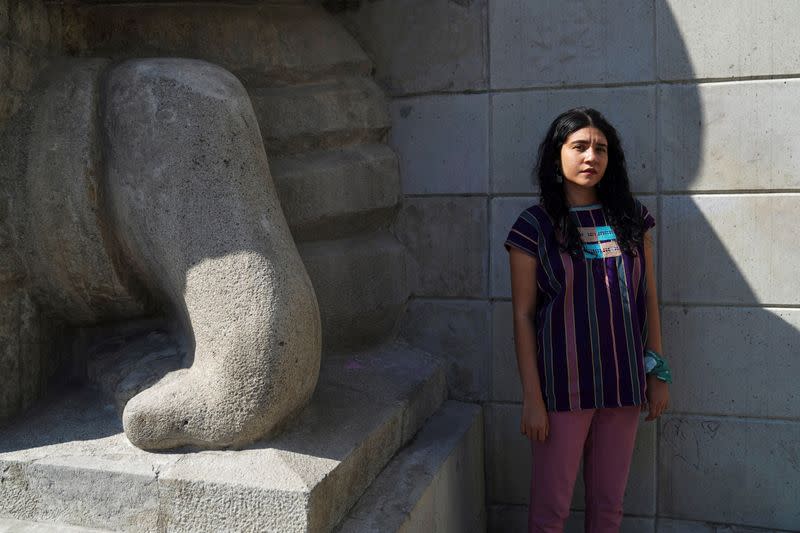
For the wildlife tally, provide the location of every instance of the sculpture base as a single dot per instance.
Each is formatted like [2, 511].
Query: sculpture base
[69, 462]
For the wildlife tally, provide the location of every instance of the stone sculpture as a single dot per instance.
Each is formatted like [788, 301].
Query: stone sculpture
[143, 186]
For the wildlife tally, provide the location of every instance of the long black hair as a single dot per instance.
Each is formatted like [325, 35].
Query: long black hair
[613, 190]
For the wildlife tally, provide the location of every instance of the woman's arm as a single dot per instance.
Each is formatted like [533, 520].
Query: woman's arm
[534, 422]
[653, 316]
[657, 390]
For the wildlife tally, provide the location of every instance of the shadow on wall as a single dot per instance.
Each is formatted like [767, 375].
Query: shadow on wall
[719, 262]
[728, 449]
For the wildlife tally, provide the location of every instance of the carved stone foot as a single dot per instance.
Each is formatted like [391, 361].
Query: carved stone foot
[199, 226]
[186, 408]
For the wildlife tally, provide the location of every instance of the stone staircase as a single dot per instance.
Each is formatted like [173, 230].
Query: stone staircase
[324, 124]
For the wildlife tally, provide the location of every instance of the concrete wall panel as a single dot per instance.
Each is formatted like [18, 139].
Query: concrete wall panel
[727, 38]
[508, 455]
[442, 143]
[751, 352]
[739, 471]
[458, 331]
[730, 249]
[520, 121]
[743, 138]
[423, 45]
[558, 43]
[445, 240]
[506, 386]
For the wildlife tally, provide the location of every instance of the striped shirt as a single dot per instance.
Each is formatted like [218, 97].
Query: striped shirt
[591, 311]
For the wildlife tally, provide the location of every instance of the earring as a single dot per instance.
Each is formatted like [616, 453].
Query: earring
[559, 176]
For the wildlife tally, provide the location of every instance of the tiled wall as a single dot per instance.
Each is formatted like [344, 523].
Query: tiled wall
[705, 96]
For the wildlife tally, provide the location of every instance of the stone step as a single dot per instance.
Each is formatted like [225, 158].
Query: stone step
[435, 484]
[68, 461]
[337, 193]
[361, 287]
[319, 116]
[265, 44]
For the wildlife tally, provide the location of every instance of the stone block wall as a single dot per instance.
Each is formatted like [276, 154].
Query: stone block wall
[431, 58]
[25, 37]
[704, 95]
[27, 34]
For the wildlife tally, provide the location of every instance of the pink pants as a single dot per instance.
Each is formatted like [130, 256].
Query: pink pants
[605, 438]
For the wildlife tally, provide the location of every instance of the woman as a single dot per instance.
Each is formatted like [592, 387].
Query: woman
[586, 322]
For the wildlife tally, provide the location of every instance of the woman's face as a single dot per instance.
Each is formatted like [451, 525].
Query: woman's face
[584, 158]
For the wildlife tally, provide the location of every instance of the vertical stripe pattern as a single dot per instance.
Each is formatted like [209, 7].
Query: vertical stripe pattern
[591, 316]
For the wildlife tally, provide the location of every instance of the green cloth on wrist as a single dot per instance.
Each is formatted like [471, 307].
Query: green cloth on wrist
[657, 366]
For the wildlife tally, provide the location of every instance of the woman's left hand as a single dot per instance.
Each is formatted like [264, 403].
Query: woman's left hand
[657, 397]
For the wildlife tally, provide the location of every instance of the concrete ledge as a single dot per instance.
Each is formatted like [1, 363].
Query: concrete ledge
[70, 463]
[433, 485]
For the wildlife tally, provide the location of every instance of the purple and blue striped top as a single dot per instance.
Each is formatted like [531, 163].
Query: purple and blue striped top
[591, 311]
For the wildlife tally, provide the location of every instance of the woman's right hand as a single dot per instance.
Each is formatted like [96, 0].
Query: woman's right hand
[534, 424]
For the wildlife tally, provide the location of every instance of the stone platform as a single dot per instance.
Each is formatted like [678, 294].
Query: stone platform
[434, 485]
[68, 462]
